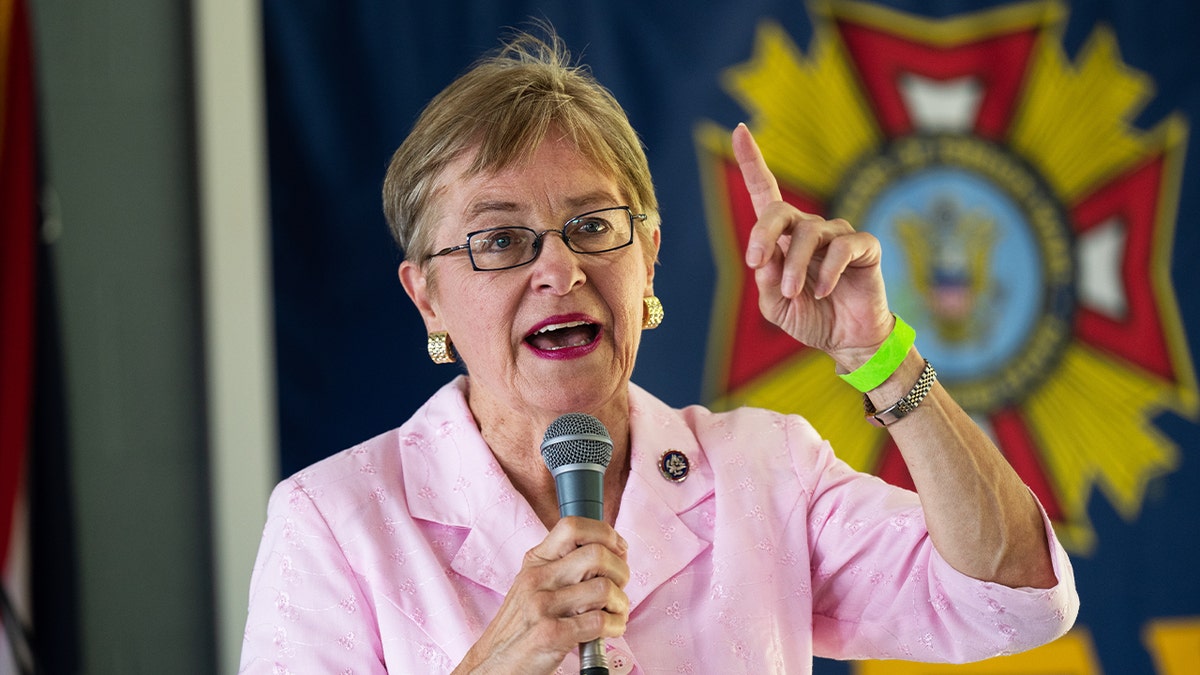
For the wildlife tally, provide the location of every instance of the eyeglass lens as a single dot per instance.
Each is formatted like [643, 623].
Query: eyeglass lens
[594, 232]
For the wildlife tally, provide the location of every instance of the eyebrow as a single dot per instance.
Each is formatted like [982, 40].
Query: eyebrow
[592, 199]
[489, 205]
[580, 202]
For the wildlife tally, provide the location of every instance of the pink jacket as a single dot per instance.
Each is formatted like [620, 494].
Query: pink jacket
[392, 556]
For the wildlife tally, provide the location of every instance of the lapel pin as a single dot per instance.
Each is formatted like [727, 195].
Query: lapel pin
[674, 465]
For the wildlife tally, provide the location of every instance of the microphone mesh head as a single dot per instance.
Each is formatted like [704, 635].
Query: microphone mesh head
[576, 438]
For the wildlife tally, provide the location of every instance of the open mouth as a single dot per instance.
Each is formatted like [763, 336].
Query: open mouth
[564, 337]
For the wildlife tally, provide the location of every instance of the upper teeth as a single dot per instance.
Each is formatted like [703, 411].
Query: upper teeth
[560, 326]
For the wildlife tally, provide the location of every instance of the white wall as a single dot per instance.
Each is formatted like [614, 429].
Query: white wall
[238, 336]
[152, 150]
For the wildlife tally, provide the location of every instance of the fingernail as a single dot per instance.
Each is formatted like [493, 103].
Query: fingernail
[622, 544]
[754, 256]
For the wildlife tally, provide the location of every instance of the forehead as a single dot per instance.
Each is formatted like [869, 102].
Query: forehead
[556, 178]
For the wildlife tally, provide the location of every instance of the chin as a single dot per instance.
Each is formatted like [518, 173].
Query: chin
[584, 394]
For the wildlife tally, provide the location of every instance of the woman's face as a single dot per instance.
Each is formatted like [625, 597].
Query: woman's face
[557, 335]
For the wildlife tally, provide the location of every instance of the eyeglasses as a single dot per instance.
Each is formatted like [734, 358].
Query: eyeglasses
[502, 248]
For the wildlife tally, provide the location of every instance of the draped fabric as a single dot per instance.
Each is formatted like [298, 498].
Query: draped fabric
[1048, 142]
[37, 544]
[18, 253]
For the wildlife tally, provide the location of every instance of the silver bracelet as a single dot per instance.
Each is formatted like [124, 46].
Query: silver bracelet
[906, 404]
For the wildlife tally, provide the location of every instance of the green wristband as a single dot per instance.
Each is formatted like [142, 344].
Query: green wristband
[885, 361]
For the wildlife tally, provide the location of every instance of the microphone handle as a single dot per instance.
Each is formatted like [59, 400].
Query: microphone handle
[581, 493]
[592, 659]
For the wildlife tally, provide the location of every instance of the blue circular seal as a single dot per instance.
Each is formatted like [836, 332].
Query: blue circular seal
[979, 260]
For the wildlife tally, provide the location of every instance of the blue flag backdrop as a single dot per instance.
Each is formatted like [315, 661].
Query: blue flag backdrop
[1038, 152]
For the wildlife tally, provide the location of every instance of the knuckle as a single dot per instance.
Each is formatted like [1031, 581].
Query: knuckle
[547, 631]
[540, 604]
[600, 588]
[592, 623]
[597, 554]
[841, 246]
[615, 599]
[590, 559]
[531, 580]
[532, 557]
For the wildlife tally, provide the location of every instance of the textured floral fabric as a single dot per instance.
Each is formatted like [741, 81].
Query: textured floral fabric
[392, 556]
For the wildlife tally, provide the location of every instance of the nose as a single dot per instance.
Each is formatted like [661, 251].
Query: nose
[556, 268]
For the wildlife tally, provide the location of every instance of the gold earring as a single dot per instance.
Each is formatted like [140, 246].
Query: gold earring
[441, 350]
[653, 314]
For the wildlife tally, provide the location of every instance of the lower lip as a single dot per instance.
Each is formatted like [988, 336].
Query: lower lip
[567, 352]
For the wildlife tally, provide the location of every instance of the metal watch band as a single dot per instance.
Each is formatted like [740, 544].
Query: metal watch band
[906, 404]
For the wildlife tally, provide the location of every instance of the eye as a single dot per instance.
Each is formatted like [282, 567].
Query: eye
[591, 225]
[496, 241]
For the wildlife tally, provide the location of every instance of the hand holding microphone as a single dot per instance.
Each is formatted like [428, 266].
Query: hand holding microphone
[569, 589]
[577, 450]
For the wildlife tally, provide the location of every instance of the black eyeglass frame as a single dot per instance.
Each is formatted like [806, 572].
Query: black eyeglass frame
[537, 239]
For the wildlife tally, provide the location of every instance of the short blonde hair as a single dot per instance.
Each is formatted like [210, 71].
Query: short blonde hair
[501, 109]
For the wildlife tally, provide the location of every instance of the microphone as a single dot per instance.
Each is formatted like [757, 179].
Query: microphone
[577, 450]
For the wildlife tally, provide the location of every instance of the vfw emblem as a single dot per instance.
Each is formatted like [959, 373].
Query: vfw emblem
[1027, 226]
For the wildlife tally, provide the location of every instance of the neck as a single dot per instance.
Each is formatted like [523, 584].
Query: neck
[515, 438]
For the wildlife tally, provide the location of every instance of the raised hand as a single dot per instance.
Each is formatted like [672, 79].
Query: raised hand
[819, 280]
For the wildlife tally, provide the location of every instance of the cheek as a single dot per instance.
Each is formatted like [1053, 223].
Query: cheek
[471, 308]
[631, 305]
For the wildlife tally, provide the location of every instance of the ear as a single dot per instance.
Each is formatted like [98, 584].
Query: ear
[412, 277]
[651, 261]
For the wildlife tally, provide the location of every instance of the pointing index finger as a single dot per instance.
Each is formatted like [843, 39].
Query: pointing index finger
[761, 183]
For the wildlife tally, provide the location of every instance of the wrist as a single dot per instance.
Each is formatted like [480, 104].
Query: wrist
[866, 369]
[902, 393]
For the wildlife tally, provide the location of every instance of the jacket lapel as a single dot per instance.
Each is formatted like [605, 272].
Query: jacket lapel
[452, 478]
[661, 543]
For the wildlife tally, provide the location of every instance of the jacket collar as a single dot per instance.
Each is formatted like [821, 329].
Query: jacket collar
[661, 542]
[452, 478]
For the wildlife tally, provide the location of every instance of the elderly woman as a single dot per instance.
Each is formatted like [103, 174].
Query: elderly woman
[523, 202]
